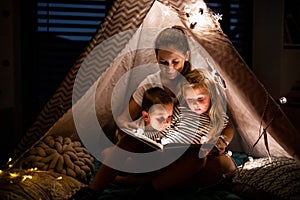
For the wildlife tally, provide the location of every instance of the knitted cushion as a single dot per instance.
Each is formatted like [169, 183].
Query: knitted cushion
[264, 178]
[61, 155]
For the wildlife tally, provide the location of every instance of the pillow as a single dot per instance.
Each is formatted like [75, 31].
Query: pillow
[264, 178]
[61, 155]
[34, 184]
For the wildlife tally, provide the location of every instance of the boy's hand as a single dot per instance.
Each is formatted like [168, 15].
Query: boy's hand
[131, 126]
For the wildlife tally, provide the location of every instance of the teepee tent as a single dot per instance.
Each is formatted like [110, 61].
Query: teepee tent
[53, 159]
[110, 68]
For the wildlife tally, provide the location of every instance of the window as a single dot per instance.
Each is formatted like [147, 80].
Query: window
[64, 29]
[74, 21]
[236, 23]
[55, 33]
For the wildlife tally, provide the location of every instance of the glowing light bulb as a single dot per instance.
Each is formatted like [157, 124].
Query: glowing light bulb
[139, 131]
[282, 100]
[229, 153]
[13, 175]
[26, 177]
[250, 159]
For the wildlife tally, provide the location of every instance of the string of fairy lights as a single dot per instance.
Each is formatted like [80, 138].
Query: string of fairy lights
[19, 175]
[196, 11]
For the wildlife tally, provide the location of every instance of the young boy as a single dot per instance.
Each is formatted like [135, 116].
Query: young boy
[157, 109]
[156, 115]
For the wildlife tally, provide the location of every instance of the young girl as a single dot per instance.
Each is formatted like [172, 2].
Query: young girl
[203, 116]
[203, 113]
[205, 95]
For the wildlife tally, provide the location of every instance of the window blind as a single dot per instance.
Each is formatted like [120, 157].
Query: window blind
[70, 20]
[236, 23]
[55, 33]
[64, 29]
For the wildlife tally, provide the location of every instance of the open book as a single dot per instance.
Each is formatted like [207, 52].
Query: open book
[140, 135]
[191, 131]
[157, 145]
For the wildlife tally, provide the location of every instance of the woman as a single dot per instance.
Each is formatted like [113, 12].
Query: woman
[172, 54]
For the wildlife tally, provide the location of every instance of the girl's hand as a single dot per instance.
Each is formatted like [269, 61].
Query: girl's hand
[219, 147]
[221, 144]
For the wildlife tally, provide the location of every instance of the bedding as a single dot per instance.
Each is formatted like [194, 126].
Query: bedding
[268, 178]
[215, 193]
[258, 178]
[19, 184]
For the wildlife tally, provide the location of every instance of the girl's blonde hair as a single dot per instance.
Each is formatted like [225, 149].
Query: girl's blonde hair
[204, 79]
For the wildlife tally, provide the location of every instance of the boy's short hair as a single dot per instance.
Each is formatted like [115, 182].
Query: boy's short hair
[155, 95]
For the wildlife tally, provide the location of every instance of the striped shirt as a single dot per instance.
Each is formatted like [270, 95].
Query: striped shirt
[192, 128]
[187, 127]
